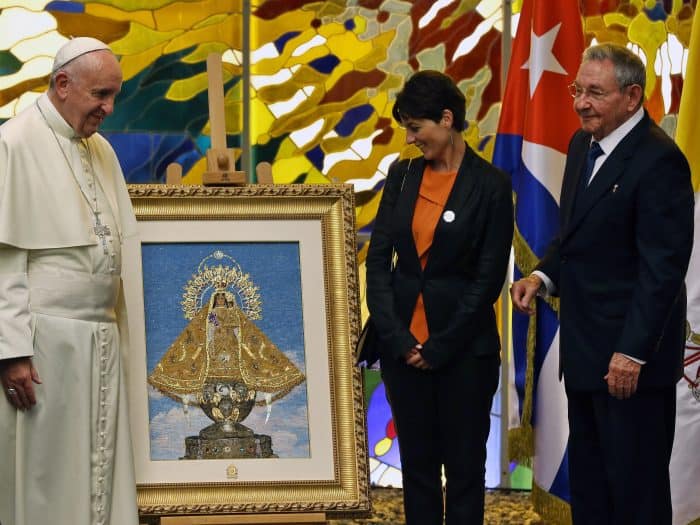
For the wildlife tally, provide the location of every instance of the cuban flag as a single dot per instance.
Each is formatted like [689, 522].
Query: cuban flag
[537, 120]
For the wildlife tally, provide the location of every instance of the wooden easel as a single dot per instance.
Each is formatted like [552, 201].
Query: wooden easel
[221, 161]
[263, 172]
[173, 173]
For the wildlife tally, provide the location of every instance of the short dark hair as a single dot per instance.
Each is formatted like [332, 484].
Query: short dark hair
[426, 94]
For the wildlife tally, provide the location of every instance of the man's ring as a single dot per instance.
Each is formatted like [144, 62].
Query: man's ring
[11, 391]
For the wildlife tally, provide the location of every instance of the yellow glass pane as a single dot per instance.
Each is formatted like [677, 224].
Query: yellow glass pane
[349, 46]
[202, 51]
[194, 175]
[187, 88]
[286, 171]
[141, 38]
[315, 177]
[262, 120]
[227, 32]
[132, 65]
[329, 30]
[264, 31]
[649, 35]
[212, 20]
[141, 16]
[186, 15]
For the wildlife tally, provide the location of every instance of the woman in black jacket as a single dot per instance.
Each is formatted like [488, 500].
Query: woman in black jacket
[448, 217]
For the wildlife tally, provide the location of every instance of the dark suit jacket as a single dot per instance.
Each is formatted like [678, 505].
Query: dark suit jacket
[466, 265]
[620, 260]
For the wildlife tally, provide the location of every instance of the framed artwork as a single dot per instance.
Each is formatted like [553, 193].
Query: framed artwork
[243, 313]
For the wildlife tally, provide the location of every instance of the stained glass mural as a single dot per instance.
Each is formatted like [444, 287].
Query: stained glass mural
[162, 112]
[319, 82]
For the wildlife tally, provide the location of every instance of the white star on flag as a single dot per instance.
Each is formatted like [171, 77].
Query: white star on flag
[541, 57]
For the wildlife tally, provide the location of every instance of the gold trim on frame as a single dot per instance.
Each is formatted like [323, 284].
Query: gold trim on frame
[333, 206]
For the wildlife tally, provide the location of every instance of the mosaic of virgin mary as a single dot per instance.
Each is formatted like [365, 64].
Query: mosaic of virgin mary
[222, 361]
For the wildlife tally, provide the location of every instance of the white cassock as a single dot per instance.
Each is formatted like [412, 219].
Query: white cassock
[67, 460]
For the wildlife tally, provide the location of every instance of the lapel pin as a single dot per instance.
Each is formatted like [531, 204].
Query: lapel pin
[615, 188]
[448, 216]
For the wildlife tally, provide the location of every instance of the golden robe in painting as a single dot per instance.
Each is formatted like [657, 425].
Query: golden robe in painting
[221, 343]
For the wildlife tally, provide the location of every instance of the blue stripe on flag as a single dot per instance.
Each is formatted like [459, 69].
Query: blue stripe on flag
[547, 326]
[536, 213]
[520, 322]
[537, 217]
[560, 485]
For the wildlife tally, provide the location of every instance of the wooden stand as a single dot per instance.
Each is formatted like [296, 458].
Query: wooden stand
[247, 519]
[263, 172]
[173, 173]
[221, 162]
[221, 165]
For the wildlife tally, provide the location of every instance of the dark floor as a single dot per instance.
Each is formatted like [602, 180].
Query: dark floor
[503, 507]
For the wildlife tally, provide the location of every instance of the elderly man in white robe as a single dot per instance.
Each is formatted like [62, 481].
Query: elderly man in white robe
[65, 452]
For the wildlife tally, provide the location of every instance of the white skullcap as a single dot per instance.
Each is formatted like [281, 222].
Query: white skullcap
[75, 48]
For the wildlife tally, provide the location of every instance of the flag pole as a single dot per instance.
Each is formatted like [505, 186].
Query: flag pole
[506, 312]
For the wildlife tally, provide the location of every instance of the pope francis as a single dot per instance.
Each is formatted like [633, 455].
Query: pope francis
[65, 215]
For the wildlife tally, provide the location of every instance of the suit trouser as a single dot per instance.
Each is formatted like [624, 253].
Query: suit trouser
[619, 454]
[442, 418]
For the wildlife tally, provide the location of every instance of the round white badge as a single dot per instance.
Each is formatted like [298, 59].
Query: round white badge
[448, 216]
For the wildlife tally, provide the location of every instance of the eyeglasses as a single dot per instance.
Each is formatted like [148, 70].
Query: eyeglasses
[577, 91]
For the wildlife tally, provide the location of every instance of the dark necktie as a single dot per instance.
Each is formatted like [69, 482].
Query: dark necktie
[594, 152]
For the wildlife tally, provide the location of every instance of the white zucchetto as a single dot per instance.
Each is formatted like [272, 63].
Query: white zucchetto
[75, 48]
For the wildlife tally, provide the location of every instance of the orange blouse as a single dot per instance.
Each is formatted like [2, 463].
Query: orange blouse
[434, 190]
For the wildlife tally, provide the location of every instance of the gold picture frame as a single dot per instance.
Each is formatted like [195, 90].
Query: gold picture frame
[330, 475]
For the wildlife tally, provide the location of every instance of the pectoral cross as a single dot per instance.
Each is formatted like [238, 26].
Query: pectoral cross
[102, 231]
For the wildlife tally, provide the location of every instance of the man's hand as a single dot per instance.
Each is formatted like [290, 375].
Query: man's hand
[622, 376]
[17, 376]
[415, 359]
[523, 291]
